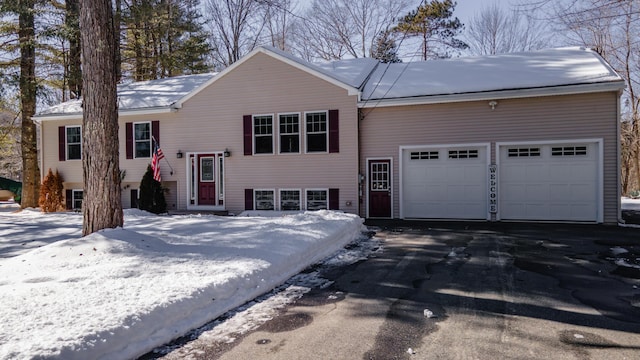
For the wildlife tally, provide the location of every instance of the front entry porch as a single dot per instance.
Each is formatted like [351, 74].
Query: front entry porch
[205, 181]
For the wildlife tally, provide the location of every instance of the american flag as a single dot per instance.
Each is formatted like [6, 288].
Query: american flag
[155, 162]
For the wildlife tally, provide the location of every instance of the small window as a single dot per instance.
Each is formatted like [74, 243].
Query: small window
[379, 176]
[76, 201]
[523, 152]
[569, 151]
[142, 139]
[74, 142]
[264, 199]
[263, 134]
[289, 133]
[424, 155]
[316, 130]
[463, 154]
[317, 200]
[289, 200]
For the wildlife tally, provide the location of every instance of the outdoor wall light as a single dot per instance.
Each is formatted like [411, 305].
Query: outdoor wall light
[179, 154]
[493, 104]
[227, 153]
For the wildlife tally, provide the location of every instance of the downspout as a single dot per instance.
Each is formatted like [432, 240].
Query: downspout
[618, 161]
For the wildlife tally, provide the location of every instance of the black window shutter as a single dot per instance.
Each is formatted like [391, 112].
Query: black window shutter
[62, 135]
[129, 139]
[155, 132]
[334, 132]
[247, 124]
[248, 199]
[334, 199]
[69, 199]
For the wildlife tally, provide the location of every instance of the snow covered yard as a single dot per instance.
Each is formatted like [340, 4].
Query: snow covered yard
[119, 293]
[630, 204]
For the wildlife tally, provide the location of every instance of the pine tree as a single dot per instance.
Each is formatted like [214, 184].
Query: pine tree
[434, 23]
[164, 38]
[102, 203]
[151, 197]
[385, 48]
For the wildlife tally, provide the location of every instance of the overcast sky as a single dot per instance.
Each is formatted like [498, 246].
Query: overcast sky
[466, 9]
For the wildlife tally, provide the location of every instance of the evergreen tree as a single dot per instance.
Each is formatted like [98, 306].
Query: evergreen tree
[385, 48]
[163, 38]
[51, 193]
[434, 23]
[102, 203]
[151, 197]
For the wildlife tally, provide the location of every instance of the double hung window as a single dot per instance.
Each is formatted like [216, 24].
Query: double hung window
[74, 142]
[263, 134]
[316, 130]
[142, 139]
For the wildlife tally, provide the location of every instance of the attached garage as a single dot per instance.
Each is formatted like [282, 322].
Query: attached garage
[446, 182]
[558, 181]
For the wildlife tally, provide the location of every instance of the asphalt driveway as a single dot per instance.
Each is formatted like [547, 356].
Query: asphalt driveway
[467, 291]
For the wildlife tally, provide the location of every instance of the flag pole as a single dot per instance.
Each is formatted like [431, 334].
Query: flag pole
[165, 158]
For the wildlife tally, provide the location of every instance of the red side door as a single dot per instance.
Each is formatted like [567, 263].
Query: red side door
[379, 188]
[206, 179]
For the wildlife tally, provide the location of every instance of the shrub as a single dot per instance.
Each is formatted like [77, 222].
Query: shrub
[151, 197]
[51, 193]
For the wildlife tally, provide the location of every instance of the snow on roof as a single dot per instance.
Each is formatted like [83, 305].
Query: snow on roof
[350, 71]
[537, 69]
[141, 95]
[526, 70]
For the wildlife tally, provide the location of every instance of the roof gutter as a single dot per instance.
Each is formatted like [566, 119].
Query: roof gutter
[129, 112]
[495, 95]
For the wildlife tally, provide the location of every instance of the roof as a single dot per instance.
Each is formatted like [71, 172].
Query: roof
[515, 71]
[537, 73]
[140, 96]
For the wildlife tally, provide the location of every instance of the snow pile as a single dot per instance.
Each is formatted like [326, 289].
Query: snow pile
[119, 293]
[630, 204]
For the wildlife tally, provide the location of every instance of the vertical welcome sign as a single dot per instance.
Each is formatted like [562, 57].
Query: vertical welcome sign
[493, 188]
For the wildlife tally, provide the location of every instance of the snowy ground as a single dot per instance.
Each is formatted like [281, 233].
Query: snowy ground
[119, 293]
[630, 204]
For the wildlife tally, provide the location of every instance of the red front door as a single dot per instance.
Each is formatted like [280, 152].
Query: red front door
[380, 188]
[206, 179]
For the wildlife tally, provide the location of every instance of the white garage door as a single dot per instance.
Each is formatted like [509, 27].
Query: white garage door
[445, 182]
[549, 182]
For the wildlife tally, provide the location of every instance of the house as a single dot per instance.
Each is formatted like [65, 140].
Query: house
[526, 136]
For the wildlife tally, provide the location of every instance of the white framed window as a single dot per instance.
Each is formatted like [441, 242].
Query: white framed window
[290, 200]
[289, 132]
[263, 134]
[142, 139]
[316, 131]
[73, 142]
[264, 199]
[317, 199]
[76, 199]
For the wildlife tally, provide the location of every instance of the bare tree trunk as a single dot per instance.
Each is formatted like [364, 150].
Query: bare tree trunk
[75, 69]
[102, 204]
[117, 21]
[29, 142]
